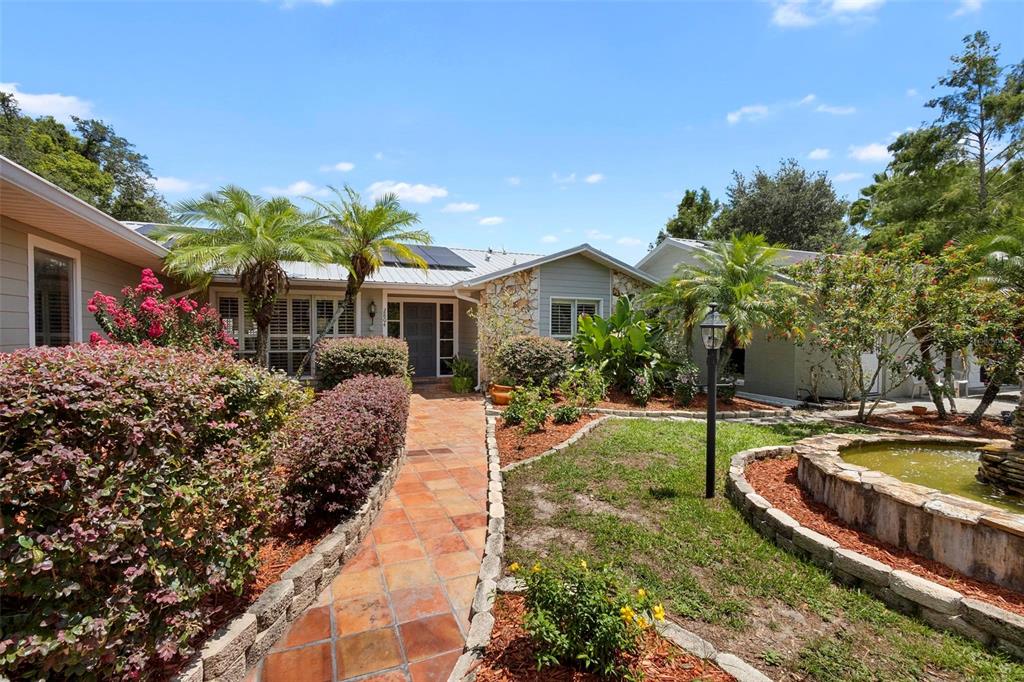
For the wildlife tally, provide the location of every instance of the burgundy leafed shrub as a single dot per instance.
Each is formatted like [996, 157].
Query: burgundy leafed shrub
[135, 487]
[341, 359]
[333, 452]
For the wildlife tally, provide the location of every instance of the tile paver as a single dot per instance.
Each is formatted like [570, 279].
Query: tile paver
[399, 611]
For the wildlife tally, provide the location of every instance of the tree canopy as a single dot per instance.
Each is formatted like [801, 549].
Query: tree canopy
[92, 162]
[792, 208]
[693, 217]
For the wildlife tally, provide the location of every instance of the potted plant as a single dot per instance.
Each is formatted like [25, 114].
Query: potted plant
[462, 375]
[501, 390]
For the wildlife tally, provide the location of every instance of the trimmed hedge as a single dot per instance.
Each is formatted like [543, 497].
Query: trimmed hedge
[338, 360]
[532, 359]
[335, 450]
[134, 492]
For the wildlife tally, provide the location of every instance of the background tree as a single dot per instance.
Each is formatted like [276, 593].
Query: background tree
[740, 274]
[248, 236]
[366, 235]
[793, 208]
[96, 165]
[693, 217]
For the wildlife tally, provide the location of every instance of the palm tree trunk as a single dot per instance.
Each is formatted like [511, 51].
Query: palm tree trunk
[262, 339]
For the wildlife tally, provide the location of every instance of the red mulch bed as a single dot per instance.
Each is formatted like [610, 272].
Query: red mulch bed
[776, 480]
[930, 423]
[617, 400]
[515, 446]
[510, 656]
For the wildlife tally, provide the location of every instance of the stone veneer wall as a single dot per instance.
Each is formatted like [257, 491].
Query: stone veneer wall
[625, 285]
[975, 539]
[523, 304]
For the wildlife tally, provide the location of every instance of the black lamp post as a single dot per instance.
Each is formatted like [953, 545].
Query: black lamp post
[712, 333]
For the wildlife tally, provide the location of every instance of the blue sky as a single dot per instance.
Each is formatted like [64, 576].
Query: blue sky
[528, 126]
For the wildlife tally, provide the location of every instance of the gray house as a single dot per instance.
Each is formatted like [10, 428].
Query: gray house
[57, 250]
[778, 367]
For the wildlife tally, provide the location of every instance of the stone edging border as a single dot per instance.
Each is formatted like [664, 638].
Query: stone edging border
[937, 605]
[241, 644]
[488, 584]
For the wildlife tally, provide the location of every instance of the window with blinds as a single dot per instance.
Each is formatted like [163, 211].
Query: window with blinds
[565, 314]
[446, 337]
[52, 299]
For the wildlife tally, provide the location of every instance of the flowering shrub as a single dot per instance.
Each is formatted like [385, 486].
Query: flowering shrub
[582, 617]
[338, 360]
[532, 359]
[134, 491]
[337, 447]
[685, 386]
[143, 315]
[641, 388]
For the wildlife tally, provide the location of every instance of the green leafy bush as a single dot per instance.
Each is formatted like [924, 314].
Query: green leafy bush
[685, 386]
[135, 490]
[336, 449]
[583, 618]
[566, 414]
[534, 359]
[338, 360]
[530, 407]
[621, 344]
[641, 387]
[726, 387]
[583, 386]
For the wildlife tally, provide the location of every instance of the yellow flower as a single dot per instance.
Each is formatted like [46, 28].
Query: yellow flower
[627, 614]
[536, 568]
[659, 612]
[514, 567]
[641, 593]
[642, 622]
[583, 563]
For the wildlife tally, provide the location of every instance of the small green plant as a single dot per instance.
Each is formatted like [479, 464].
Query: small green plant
[685, 387]
[583, 386]
[530, 407]
[773, 657]
[566, 414]
[463, 374]
[727, 387]
[641, 387]
[584, 618]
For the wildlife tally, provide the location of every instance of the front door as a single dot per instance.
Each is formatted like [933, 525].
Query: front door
[420, 322]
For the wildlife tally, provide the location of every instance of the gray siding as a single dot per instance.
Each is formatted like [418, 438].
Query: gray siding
[770, 367]
[664, 263]
[573, 277]
[99, 273]
[467, 331]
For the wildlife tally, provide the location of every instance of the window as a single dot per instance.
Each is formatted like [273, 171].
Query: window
[325, 310]
[446, 337]
[394, 321]
[54, 293]
[565, 314]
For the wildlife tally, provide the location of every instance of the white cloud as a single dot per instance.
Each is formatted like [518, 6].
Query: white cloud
[967, 7]
[853, 6]
[61, 107]
[835, 110]
[563, 179]
[460, 207]
[808, 99]
[593, 178]
[819, 154]
[750, 112]
[911, 92]
[341, 166]
[170, 185]
[514, 181]
[847, 177]
[597, 235]
[416, 193]
[549, 239]
[298, 188]
[872, 152]
[492, 220]
[379, 156]
[291, 4]
[629, 241]
[791, 14]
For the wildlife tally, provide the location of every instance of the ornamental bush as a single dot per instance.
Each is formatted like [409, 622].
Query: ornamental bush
[143, 315]
[533, 359]
[134, 493]
[338, 360]
[335, 450]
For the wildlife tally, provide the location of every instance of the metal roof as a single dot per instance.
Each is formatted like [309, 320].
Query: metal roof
[785, 256]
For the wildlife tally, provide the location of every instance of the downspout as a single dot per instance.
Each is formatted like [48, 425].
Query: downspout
[470, 299]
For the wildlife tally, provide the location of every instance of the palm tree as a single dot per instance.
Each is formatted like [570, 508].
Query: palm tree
[240, 233]
[367, 235]
[1004, 256]
[739, 274]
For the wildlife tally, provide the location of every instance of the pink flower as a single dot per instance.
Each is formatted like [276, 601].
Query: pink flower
[155, 330]
[149, 282]
[96, 339]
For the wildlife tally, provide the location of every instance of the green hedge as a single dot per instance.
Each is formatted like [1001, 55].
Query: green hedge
[532, 359]
[338, 360]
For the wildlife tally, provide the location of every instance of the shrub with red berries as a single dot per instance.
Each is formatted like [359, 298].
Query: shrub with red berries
[145, 316]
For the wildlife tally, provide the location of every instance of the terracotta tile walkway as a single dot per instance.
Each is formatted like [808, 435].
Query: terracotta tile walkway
[399, 611]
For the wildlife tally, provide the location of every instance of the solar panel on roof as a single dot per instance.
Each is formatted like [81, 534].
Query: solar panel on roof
[437, 257]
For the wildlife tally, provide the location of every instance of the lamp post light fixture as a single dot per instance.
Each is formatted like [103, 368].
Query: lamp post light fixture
[712, 333]
[372, 310]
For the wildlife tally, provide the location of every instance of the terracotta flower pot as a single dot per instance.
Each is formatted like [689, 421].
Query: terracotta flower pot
[500, 395]
[919, 410]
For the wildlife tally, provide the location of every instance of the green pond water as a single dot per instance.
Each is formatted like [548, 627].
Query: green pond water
[945, 468]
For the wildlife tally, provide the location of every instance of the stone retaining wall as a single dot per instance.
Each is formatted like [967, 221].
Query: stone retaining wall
[939, 606]
[973, 538]
[243, 642]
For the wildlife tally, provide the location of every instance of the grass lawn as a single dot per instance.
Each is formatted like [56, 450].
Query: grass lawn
[631, 495]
